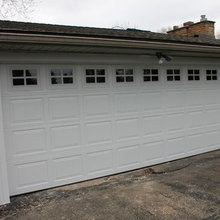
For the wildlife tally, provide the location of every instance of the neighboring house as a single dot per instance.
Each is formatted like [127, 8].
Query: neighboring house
[78, 103]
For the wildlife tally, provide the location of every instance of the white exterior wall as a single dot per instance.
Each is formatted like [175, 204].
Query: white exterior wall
[4, 191]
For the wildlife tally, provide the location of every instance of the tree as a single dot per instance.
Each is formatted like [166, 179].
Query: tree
[16, 8]
[164, 30]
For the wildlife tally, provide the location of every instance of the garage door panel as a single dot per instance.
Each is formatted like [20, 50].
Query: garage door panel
[195, 119]
[194, 99]
[27, 110]
[152, 125]
[99, 162]
[64, 108]
[24, 142]
[98, 132]
[96, 106]
[128, 156]
[152, 151]
[174, 100]
[30, 174]
[212, 116]
[126, 129]
[175, 146]
[65, 136]
[126, 103]
[151, 101]
[175, 122]
[67, 168]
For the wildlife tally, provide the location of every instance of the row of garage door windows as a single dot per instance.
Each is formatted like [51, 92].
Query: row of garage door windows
[24, 77]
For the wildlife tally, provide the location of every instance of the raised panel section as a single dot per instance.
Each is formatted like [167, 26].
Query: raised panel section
[174, 99]
[152, 151]
[194, 99]
[195, 119]
[128, 156]
[31, 174]
[175, 122]
[26, 110]
[152, 125]
[212, 117]
[28, 141]
[152, 101]
[100, 161]
[98, 132]
[175, 146]
[126, 129]
[97, 105]
[64, 108]
[65, 136]
[126, 103]
[67, 167]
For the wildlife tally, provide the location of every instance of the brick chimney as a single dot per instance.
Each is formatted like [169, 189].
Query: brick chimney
[203, 28]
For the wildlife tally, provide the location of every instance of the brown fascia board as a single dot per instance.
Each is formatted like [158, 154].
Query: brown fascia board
[190, 25]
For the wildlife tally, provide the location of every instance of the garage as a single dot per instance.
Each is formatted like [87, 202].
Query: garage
[72, 117]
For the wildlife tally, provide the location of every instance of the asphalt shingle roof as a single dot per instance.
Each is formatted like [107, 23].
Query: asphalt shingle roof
[129, 34]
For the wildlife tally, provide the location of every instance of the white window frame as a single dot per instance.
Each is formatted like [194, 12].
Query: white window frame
[61, 85]
[193, 75]
[24, 67]
[150, 75]
[173, 75]
[124, 67]
[212, 69]
[95, 84]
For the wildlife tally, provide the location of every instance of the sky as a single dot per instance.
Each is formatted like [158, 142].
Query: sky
[152, 15]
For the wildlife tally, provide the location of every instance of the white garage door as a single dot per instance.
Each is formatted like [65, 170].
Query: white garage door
[68, 124]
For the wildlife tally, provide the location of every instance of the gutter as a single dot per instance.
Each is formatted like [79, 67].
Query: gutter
[104, 42]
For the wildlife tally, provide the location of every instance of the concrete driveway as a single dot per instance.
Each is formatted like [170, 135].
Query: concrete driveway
[183, 189]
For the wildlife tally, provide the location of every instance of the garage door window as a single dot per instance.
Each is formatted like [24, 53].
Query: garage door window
[124, 75]
[150, 75]
[61, 76]
[173, 75]
[193, 74]
[95, 76]
[211, 75]
[24, 77]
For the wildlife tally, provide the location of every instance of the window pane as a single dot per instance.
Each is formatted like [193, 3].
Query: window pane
[197, 77]
[196, 72]
[208, 77]
[100, 72]
[146, 72]
[31, 72]
[18, 82]
[177, 78]
[129, 71]
[17, 73]
[56, 80]
[177, 72]
[169, 78]
[100, 79]
[146, 78]
[90, 80]
[214, 77]
[208, 72]
[119, 79]
[190, 72]
[55, 72]
[67, 72]
[170, 72]
[90, 72]
[68, 80]
[129, 79]
[214, 72]
[190, 77]
[154, 78]
[154, 71]
[31, 81]
[119, 72]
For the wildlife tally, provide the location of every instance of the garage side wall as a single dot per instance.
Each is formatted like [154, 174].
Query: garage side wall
[4, 191]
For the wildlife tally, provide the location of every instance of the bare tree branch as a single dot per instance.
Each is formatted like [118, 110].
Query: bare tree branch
[18, 8]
